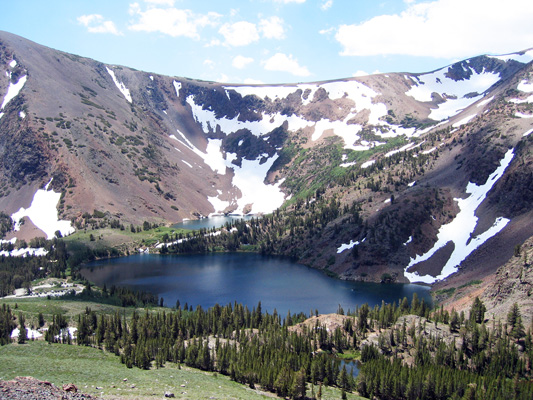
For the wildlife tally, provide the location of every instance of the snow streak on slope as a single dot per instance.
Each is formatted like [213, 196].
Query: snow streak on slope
[123, 89]
[12, 91]
[177, 86]
[457, 95]
[249, 178]
[43, 213]
[460, 230]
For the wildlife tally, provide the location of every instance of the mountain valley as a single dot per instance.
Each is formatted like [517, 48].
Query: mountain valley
[394, 177]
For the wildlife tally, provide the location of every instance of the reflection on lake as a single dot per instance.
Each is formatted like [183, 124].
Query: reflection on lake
[247, 278]
[211, 222]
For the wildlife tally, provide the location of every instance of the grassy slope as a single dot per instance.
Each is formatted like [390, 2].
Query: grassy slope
[108, 237]
[89, 368]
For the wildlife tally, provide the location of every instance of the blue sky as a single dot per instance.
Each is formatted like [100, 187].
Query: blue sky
[274, 41]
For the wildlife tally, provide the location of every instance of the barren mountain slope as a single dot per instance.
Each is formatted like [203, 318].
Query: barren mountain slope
[397, 149]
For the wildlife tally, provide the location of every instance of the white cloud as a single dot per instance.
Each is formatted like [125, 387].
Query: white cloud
[171, 21]
[326, 31]
[364, 73]
[209, 63]
[272, 28]
[213, 43]
[443, 29]
[285, 63]
[241, 62]
[95, 23]
[240, 33]
[223, 78]
[326, 5]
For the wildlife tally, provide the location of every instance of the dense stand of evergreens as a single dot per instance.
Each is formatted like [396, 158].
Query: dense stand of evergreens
[284, 232]
[117, 296]
[470, 358]
[18, 272]
[485, 362]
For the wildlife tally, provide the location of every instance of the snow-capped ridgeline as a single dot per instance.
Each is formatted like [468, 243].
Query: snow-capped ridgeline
[43, 213]
[362, 96]
[523, 58]
[123, 89]
[459, 231]
[458, 95]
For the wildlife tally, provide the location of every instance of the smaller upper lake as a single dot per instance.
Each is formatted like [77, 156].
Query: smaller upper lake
[279, 283]
[211, 222]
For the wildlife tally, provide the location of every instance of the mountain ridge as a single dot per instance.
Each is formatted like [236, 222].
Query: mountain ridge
[398, 147]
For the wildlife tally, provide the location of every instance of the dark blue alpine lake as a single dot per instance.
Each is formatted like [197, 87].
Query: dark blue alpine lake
[279, 283]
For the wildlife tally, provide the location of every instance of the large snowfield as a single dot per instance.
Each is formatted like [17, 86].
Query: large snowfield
[43, 213]
[460, 230]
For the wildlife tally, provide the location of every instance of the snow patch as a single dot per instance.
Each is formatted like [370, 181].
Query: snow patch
[29, 251]
[43, 213]
[464, 121]
[485, 102]
[30, 333]
[527, 133]
[368, 164]
[13, 63]
[525, 86]
[249, 178]
[408, 146]
[125, 91]
[522, 115]
[453, 92]
[348, 246]
[346, 165]
[13, 90]
[459, 231]
[177, 86]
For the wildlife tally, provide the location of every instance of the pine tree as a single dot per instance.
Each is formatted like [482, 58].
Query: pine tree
[477, 311]
[454, 321]
[23, 334]
[514, 321]
[298, 387]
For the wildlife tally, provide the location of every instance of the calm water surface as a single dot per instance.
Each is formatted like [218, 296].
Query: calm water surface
[246, 278]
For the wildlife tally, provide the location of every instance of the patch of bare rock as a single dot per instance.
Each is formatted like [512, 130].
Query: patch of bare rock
[29, 388]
